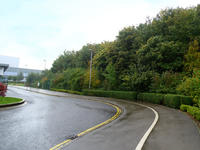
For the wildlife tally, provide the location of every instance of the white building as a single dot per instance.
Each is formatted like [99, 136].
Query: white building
[3, 68]
[11, 61]
[9, 66]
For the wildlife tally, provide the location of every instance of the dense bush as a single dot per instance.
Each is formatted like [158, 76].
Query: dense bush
[175, 101]
[151, 97]
[191, 85]
[70, 79]
[184, 107]
[194, 111]
[114, 94]
[166, 82]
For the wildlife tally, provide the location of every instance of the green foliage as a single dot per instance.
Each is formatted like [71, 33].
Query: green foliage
[95, 81]
[192, 57]
[136, 81]
[191, 85]
[32, 79]
[72, 59]
[194, 111]
[70, 79]
[166, 82]
[20, 76]
[9, 100]
[161, 55]
[171, 101]
[114, 94]
[110, 77]
[150, 57]
[184, 107]
[140, 97]
[67, 91]
[151, 97]
[175, 101]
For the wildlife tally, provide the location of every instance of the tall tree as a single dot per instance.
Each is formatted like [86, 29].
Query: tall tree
[192, 57]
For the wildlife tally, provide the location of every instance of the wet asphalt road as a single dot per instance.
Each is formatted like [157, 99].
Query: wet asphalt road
[48, 120]
[45, 121]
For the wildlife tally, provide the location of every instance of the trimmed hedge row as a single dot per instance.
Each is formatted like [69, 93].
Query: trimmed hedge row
[175, 101]
[151, 97]
[67, 91]
[194, 111]
[113, 94]
[170, 100]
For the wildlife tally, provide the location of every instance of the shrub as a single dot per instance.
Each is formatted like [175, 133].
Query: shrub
[187, 100]
[67, 91]
[194, 111]
[114, 94]
[166, 82]
[151, 97]
[140, 96]
[197, 115]
[184, 107]
[191, 85]
[175, 101]
[70, 79]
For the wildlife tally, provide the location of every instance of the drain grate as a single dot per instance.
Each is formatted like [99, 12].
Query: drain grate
[71, 137]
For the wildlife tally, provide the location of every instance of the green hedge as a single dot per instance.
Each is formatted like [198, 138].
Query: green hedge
[114, 94]
[151, 97]
[170, 100]
[67, 91]
[194, 111]
[175, 101]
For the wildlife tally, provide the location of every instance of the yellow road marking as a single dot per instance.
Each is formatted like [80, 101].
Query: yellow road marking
[66, 142]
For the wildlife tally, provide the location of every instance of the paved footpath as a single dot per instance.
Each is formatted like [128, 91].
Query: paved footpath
[174, 131]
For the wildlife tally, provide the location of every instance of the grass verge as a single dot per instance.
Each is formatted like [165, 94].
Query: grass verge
[9, 100]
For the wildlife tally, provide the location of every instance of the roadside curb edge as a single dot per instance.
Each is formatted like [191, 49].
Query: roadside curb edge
[12, 104]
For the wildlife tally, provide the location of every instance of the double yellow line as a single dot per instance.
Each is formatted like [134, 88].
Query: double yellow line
[66, 142]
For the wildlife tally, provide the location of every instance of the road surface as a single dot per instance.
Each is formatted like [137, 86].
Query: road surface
[47, 120]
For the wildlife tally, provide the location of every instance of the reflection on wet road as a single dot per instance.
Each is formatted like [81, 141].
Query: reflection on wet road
[45, 121]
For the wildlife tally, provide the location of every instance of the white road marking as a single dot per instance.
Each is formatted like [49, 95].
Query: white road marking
[148, 132]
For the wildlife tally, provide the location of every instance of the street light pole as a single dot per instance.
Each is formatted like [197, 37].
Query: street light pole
[90, 69]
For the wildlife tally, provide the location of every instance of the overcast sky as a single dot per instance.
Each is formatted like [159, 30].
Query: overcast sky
[34, 30]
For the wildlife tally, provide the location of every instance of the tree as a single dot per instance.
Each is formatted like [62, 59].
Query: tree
[95, 82]
[160, 55]
[110, 77]
[20, 76]
[192, 57]
[32, 78]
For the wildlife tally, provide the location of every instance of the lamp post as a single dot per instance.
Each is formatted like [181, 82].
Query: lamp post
[90, 69]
